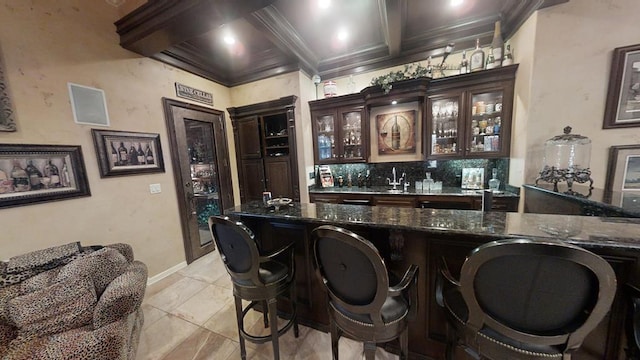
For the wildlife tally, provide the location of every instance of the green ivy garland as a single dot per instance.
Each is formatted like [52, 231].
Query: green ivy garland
[411, 71]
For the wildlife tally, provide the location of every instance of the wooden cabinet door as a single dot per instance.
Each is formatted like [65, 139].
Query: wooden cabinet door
[252, 180]
[278, 177]
[249, 139]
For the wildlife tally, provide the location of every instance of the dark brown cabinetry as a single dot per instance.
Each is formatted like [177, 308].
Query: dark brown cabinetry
[469, 116]
[340, 134]
[444, 201]
[265, 144]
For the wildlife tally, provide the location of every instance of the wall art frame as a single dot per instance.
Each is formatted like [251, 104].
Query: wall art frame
[119, 152]
[32, 174]
[623, 169]
[382, 118]
[7, 120]
[622, 107]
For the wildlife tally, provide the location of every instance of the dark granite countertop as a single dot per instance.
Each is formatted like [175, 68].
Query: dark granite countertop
[626, 203]
[581, 230]
[411, 191]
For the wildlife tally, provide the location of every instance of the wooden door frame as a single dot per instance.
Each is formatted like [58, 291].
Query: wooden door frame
[179, 158]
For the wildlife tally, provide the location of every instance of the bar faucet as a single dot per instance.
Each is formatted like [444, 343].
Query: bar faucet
[394, 182]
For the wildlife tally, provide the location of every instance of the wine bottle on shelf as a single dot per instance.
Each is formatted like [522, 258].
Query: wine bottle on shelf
[133, 155]
[491, 63]
[123, 158]
[65, 179]
[429, 67]
[114, 155]
[140, 153]
[508, 57]
[149, 155]
[477, 58]
[20, 177]
[496, 45]
[34, 176]
[395, 135]
[464, 64]
[51, 171]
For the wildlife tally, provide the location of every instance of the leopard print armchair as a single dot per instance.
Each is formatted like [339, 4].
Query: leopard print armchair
[72, 302]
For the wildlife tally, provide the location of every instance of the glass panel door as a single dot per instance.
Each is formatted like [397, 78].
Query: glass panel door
[444, 126]
[486, 122]
[205, 200]
[352, 135]
[325, 130]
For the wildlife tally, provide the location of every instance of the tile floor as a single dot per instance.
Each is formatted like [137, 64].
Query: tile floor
[190, 315]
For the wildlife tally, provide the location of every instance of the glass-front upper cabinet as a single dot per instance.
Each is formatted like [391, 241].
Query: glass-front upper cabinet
[339, 132]
[324, 126]
[486, 123]
[352, 135]
[444, 124]
[469, 116]
[339, 136]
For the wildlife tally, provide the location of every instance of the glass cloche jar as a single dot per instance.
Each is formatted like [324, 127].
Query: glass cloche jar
[566, 158]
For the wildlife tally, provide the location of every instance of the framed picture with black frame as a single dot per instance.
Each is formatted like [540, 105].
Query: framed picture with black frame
[32, 174]
[122, 153]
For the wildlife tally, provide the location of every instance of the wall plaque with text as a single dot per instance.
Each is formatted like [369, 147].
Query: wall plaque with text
[190, 93]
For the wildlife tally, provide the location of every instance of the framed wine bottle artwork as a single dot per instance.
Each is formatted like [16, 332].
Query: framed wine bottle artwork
[31, 174]
[396, 132]
[127, 153]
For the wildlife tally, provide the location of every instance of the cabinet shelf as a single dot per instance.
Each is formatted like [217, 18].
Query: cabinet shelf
[208, 196]
[269, 137]
[277, 147]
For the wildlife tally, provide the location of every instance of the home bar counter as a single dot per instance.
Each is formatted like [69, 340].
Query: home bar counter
[423, 237]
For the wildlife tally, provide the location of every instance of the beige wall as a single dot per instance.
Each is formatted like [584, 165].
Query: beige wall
[573, 46]
[47, 44]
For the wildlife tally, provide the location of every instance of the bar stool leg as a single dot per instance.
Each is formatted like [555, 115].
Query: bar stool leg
[404, 344]
[335, 337]
[369, 350]
[239, 319]
[294, 305]
[264, 314]
[273, 319]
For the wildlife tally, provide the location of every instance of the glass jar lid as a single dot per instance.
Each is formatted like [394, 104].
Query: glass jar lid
[568, 139]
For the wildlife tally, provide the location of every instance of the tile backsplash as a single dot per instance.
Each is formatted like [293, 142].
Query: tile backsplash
[447, 171]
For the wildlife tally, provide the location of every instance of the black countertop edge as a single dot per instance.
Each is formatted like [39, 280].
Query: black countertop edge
[620, 233]
[386, 190]
[591, 197]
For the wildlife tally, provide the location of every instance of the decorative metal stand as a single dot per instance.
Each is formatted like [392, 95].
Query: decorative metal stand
[554, 175]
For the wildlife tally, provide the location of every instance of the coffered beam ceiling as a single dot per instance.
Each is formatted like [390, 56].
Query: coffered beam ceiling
[280, 36]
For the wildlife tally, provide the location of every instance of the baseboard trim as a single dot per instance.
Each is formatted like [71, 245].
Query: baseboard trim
[166, 273]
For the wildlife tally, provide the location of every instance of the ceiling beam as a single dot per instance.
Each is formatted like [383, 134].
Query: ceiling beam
[282, 34]
[391, 17]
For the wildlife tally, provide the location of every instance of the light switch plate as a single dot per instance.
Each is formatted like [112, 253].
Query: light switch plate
[155, 188]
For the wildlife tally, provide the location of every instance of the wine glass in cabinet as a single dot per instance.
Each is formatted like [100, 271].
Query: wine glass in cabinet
[443, 125]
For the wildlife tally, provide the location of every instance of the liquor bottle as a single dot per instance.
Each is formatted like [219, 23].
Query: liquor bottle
[496, 45]
[149, 155]
[395, 135]
[34, 176]
[494, 183]
[114, 155]
[141, 156]
[133, 155]
[491, 63]
[464, 64]
[429, 67]
[65, 179]
[123, 155]
[508, 57]
[367, 179]
[20, 177]
[51, 171]
[477, 58]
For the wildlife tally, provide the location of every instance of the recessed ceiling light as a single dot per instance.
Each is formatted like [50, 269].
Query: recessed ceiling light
[324, 4]
[456, 2]
[343, 34]
[229, 39]
[393, 102]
